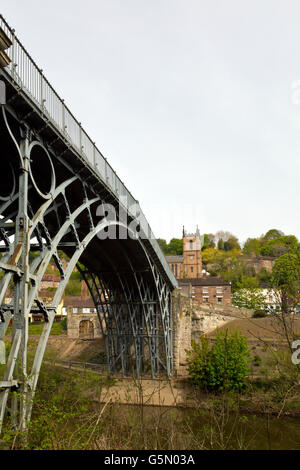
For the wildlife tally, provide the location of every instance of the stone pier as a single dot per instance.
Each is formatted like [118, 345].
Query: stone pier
[192, 319]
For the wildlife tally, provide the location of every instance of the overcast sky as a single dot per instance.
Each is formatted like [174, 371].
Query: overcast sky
[195, 103]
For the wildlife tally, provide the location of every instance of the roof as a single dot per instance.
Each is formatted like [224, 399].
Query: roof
[204, 281]
[257, 258]
[78, 302]
[174, 258]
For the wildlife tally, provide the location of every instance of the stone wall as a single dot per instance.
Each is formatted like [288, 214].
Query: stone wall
[74, 320]
[192, 319]
[207, 317]
[182, 329]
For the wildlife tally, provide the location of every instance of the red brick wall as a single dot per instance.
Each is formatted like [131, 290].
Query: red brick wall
[211, 294]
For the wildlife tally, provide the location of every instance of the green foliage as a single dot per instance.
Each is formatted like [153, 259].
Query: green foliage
[286, 271]
[63, 413]
[63, 324]
[247, 282]
[58, 328]
[231, 244]
[220, 244]
[73, 287]
[221, 263]
[279, 246]
[259, 314]
[264, 276]
[163, 244]
[208, 241]
[252, 246]
[286, 278]
[174, 247]
[221, 367]
[251, 298]
[272, 235]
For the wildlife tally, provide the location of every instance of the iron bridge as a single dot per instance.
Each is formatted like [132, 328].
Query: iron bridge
[55, 188]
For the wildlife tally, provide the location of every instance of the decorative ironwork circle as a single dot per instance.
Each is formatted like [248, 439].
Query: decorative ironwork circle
[53, 179]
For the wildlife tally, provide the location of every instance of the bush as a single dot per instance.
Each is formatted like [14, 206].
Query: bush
[63, 324]
[259, 314]
[221, 367]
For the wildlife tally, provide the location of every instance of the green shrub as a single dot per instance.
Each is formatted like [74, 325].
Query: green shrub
[259, 314]
[63, 324]
[221, 367]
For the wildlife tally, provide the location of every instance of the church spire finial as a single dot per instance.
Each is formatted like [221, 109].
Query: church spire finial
[183, 232]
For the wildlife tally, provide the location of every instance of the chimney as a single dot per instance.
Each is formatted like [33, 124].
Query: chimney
[84, 291]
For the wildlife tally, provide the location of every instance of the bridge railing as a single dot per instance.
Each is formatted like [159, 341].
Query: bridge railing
[31, 80]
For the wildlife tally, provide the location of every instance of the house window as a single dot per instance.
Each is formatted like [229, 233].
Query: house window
[219, 290]
[219, 300]
[191, 244]
[75, 310]
[175, 270]
[85, 310]
[205, 290]
[205, 299]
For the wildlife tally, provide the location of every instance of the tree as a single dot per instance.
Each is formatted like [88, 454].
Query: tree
[224, 235]
[272, 235]
[220, 244]
[208, 241]
[286, 279]
[210, 255]
[175, 246]
[252, 246]
[249, 297]
[247, 282]
[280, 246]
[163, 245]
[222, 366]
[231, 244]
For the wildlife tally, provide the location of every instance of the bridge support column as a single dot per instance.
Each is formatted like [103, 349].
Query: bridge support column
[182, 331]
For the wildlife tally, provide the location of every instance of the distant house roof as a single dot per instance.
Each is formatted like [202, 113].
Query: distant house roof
[78, 302]
[257, 258]
[204, 281]
[51, 277]
[174, 258]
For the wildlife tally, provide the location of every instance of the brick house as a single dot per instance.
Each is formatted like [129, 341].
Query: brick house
[208, 289]
[49, 280]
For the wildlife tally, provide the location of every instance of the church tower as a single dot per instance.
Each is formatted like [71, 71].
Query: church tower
[192, 258]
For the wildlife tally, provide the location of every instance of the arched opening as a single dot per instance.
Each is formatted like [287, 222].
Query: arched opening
[86, 329]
